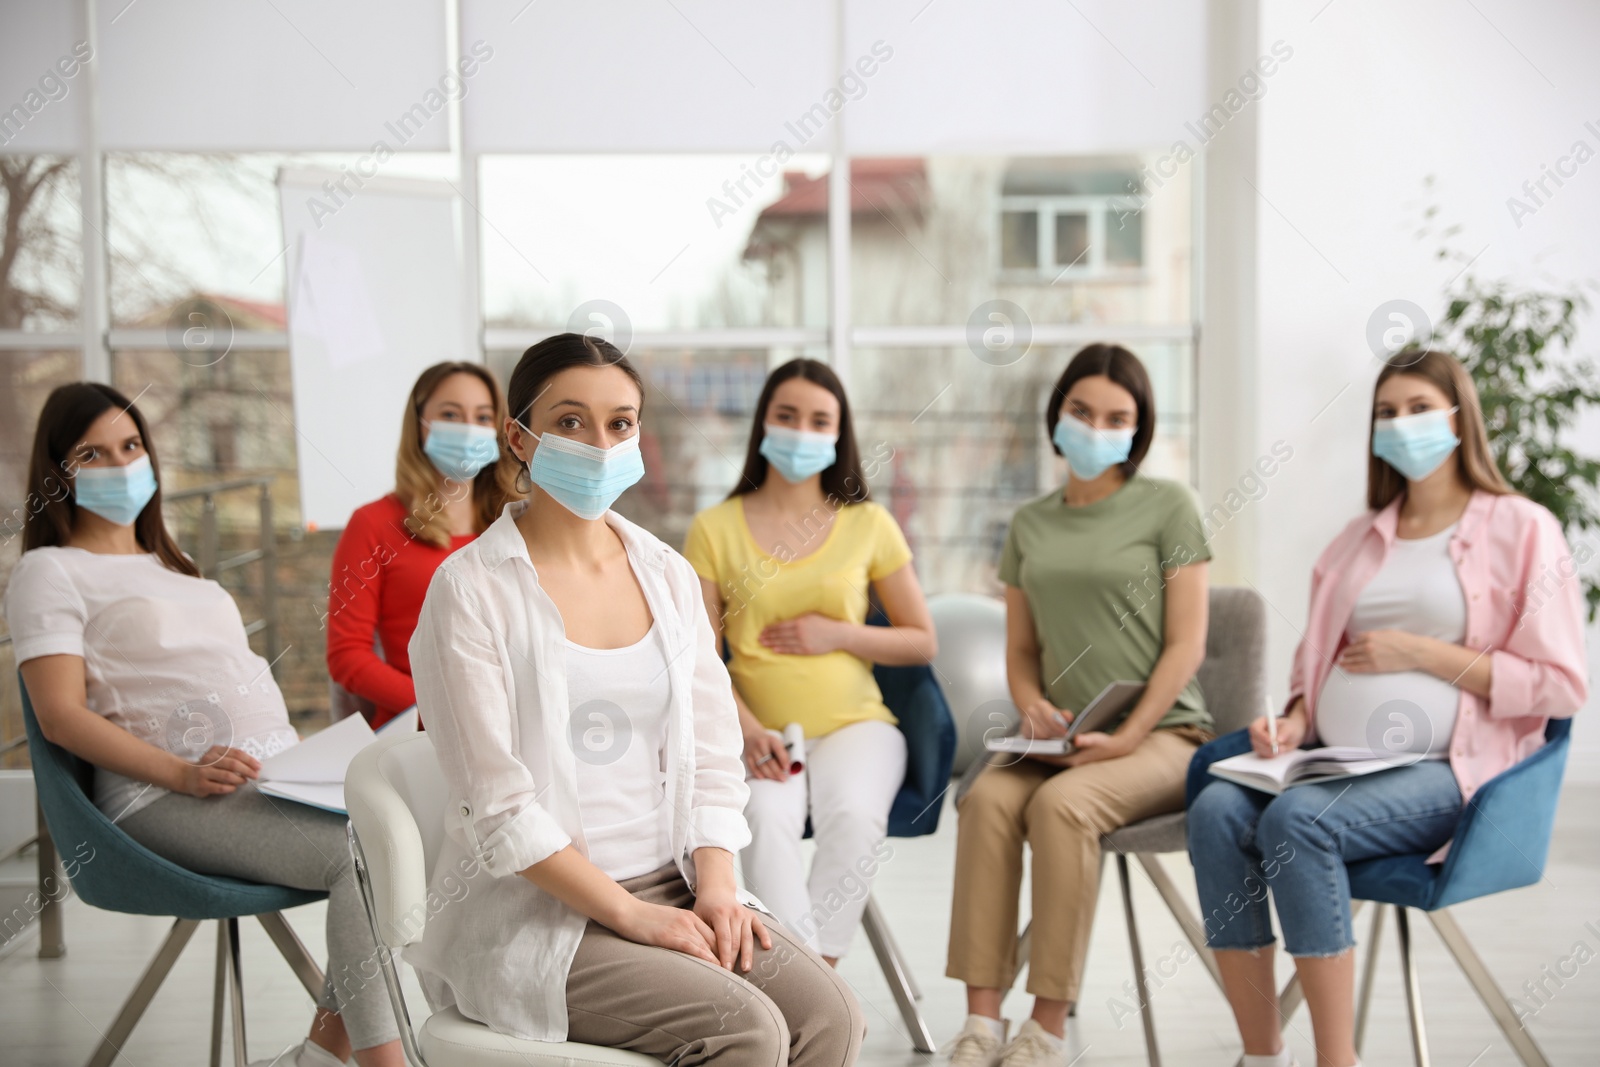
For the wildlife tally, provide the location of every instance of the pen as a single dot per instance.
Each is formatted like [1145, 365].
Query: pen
[1272, 723]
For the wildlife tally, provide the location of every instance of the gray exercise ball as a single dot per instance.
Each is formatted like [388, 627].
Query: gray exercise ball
[971, 667]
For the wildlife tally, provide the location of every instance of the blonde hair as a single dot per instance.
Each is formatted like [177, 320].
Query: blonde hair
[416, 479]
[1478, 468]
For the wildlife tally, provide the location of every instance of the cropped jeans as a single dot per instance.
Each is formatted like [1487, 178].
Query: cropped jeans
[1243, 841]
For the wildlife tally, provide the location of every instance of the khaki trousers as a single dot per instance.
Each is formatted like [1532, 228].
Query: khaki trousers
[1061, 814]
[789, 1008]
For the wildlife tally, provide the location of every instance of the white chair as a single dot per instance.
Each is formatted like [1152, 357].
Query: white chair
[396, 796]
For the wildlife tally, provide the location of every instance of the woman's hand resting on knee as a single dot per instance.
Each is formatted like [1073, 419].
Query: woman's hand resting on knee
[667, 927]
[734, 927]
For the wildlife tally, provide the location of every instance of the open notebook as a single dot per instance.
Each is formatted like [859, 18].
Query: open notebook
[312, 772]
[1104, 711]
[1307, 765]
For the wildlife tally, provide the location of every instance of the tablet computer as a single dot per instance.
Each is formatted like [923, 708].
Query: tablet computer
[1103, 712]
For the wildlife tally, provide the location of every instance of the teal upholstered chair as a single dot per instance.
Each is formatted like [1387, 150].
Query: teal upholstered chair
[1500, 843]
[113, 871]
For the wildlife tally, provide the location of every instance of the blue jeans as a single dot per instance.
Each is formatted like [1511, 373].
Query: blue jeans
[1243, 841]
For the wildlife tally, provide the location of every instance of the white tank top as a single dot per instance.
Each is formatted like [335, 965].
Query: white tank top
[1417, 591]
[618, 699]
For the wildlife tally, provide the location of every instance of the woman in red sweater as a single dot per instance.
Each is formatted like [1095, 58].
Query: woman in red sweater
[447, 492]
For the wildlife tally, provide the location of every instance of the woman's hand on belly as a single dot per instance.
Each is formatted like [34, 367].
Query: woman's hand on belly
[1384, 652]
[810, 634]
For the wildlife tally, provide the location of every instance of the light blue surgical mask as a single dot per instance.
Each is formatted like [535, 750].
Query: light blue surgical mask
[460, 449]
[1415, 445]
[116, 494]
[1091, 452]
[584, 479]
[797, 454]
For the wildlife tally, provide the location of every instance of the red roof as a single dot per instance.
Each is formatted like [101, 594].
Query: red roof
[887, 185]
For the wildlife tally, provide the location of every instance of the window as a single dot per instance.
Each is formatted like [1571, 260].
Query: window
[1046, 239]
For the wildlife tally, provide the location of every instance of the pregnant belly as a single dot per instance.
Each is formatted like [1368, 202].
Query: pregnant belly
[1406, 711]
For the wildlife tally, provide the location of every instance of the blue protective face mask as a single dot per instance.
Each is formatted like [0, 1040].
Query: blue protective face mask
[584, 479]
[797, 454]
[116, 494]
[1415, 445]
[460, 449]
[1090, 452]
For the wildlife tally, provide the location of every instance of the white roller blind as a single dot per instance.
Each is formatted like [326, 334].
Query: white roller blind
[290, 75]
[1026, 76]
[644, 75]
[374, 292]
[40, 103]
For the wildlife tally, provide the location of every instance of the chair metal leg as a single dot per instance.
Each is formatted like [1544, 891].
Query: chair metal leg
[1369, 970]
[1146, 1009]
[294, 951]
[1024, 950]
[1493, 999]
[219, 993]
[894, 970]
[386, 957]
[1408, 965]
[236, 992]
[138, 1000]
[1180, 912]
[894, 947]
[52, 928]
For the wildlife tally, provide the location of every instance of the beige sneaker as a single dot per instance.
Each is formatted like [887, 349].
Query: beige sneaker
[976, 1045]
[1034, 1046]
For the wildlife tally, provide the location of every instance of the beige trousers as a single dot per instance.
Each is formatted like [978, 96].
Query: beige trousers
[789, 1008]
[1061, 814]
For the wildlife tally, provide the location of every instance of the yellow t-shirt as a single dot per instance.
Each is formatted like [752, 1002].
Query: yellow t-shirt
[822, 692]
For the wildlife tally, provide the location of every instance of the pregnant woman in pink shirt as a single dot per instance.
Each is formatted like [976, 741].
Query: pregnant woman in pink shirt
[1447, 623]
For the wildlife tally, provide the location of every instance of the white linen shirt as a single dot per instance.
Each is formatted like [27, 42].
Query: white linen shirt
[487, 658]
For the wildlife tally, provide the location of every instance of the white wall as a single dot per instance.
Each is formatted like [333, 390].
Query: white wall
[1376, 97]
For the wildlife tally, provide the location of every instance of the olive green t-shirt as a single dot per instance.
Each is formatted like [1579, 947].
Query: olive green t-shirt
[1092, 575]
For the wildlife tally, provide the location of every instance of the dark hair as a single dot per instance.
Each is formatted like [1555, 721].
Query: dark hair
[68, 413]
[843, 480]
[544, 361]
[1478, 469]
[1122, 367]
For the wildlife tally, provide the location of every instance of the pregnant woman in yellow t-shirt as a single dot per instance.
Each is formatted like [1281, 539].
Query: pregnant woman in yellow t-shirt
[786, 563]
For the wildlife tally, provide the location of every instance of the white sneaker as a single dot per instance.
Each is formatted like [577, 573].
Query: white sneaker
[1034, 1046]
[976, 1045]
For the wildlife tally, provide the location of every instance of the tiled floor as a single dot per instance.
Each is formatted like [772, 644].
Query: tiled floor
[51, 1010]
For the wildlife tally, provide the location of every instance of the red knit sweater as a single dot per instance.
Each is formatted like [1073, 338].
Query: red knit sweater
[380, 576]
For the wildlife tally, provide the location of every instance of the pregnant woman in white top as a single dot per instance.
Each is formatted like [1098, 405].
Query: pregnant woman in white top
[141, 667]
[586, 729]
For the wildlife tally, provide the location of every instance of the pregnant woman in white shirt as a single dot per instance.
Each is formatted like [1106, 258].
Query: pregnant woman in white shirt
[141, 667]
[586, 729]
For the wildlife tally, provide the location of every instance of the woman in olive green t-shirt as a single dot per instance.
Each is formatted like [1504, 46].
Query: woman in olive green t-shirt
[1105, 581]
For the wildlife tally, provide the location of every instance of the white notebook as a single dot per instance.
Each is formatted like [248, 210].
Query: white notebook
[312, 772]
[1307, 765]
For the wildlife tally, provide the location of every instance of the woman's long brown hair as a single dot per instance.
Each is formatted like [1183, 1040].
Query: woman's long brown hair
[1478, 468]
[68, 413]
[416, 479]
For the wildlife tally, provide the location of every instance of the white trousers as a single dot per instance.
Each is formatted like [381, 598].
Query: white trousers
[850, 780]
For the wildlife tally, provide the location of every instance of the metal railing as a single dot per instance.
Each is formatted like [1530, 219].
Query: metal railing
[52, 934]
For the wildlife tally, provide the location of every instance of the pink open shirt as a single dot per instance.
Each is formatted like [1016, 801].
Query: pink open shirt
[1524, 610]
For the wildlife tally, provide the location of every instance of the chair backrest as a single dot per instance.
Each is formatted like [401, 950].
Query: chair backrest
[913, 695]
[111, 870]
[1233, 677]
[396, 796]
